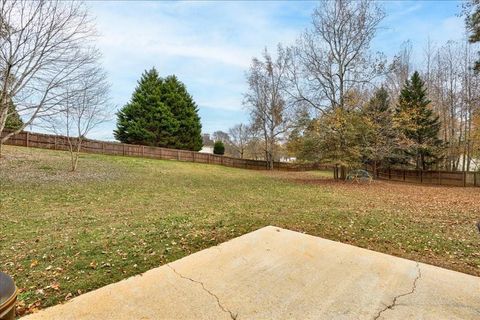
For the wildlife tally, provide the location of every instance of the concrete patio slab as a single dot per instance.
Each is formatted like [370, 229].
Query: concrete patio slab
[274, 273]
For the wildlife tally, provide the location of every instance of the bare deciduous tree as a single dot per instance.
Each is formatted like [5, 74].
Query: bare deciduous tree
[220, 135]
[334, 56]
[454, 91]
[85, 106]
[239, 137]
[254, 148]
[42, 45]
[398, 71]
[266, 99]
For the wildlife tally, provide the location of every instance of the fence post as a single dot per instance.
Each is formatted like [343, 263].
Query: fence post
[421, 176]
[403, 174]
[103, 147]
[208, 158]
[143, 151]
[221, 159]
[474, 179]
[389, 173]
[193, 152]
[55, 143]
[178, 155]
[160, 154]
[464, 178]
[123, 149]
[27, 139]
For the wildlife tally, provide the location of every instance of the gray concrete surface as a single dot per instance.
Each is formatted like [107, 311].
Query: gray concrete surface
[274, 273]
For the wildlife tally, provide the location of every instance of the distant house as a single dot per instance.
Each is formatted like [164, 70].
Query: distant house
[287, 159]
[207, 149]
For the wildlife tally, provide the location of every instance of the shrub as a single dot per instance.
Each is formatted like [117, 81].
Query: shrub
[219, 148]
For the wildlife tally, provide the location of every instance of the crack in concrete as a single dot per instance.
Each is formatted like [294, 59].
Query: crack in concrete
[233, 316]
[395, 299]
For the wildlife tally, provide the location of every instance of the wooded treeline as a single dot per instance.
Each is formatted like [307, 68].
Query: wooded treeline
[330, 98]
[454, 88]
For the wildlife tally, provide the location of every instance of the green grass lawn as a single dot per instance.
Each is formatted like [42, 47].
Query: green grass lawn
[63, 233]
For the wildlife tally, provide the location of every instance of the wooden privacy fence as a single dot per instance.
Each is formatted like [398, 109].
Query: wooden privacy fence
[449, 178]
[54, 142]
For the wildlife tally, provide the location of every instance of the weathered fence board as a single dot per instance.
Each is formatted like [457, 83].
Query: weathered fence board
[448, 178]
[46, 141]
[54, 142]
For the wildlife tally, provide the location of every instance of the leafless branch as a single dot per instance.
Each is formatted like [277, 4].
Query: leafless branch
[43, 47]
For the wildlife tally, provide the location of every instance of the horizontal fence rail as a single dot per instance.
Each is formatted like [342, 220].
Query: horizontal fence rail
[448, 178]
[56, 142]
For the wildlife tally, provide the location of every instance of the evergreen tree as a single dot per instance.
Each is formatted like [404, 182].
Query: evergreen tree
[189, 131]
[146, 119]
[13, 122]
[381, 136]
[418, 124]
[473, 24]
[219, 148]
[161, 113]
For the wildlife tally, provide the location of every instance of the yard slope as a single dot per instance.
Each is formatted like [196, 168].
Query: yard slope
[63, 233]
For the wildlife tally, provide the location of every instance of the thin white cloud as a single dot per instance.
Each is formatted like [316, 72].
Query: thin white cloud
[209, 45]
[400, 9]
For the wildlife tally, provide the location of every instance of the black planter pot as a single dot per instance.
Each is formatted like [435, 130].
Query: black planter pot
[8, 297]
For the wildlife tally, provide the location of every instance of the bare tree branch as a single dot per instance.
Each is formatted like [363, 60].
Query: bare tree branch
[266, 99]
[43, 45]
[85, 106]
[333, 57]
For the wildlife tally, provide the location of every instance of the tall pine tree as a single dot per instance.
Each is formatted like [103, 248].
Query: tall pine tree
[189, 131]
[146, 120]
[418, 124]
[381, 136]
[160, 113]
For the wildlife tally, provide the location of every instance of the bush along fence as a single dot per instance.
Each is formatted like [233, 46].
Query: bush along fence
[449, 178]
[55, 142]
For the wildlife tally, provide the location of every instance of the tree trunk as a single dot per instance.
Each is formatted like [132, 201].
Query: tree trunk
[75, 162]
[77, 154]
[72, 160]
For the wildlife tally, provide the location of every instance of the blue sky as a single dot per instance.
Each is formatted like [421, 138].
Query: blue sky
[209, 45]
